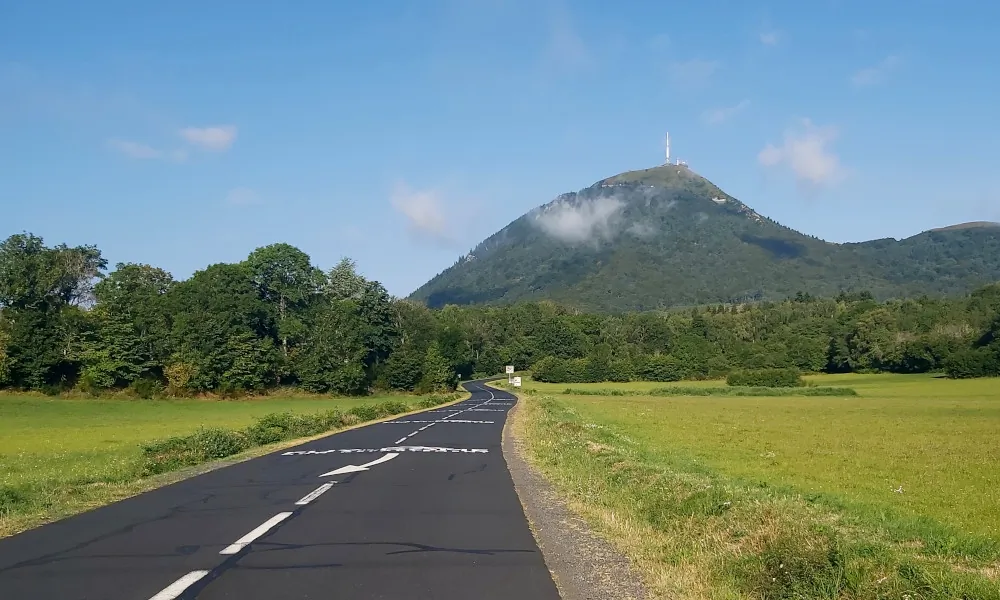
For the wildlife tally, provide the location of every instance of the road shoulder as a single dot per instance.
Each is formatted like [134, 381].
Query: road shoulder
[584, 566]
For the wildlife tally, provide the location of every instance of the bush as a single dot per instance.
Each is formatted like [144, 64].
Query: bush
[201, 446]
[179, 375]
[88, 384]
[718, 391]
[970, 363]
[145, 388]
[661, 367]
[213, 444]
[766, 378]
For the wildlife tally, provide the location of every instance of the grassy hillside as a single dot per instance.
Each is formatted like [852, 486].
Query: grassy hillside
[666, 237]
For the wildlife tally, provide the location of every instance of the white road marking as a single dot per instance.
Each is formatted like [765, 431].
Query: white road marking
[177, 588]
[448, 419]
[386, 449]
[244, 541]
[401, 440]
[440, 421]
[364, 467]
[315, 494]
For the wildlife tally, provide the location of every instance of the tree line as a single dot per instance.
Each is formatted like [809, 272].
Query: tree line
[277, 320]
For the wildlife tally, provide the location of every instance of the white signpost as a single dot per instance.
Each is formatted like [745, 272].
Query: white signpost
[517, 382]
[510, 371]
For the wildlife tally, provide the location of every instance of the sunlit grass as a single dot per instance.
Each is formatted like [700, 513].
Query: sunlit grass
[59, 456]
[906, 476]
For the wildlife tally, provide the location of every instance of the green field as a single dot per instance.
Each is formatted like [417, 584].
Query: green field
[60, 456]
[901, 481]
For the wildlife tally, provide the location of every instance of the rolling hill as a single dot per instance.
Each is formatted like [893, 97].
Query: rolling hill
[666, 236]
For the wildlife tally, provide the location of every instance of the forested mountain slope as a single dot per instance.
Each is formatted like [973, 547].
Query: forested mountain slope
[666, 236]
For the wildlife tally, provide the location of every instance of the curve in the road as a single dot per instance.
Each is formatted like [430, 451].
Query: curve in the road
[359, 514]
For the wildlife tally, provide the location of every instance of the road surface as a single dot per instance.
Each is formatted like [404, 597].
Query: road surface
[433, 515]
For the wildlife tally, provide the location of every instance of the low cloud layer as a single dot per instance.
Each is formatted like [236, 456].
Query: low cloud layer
[717, 116]
[875, 74]
[806, 152]
[424, 211]
[692, 74]
[218, 138]
[141, 151]
[575, 223]
[565, 52]
[242, 196]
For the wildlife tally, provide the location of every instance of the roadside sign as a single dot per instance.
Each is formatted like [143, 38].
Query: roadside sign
[517, 382]
[510, 369]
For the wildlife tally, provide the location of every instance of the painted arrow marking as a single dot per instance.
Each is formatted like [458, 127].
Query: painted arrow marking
[364, 467]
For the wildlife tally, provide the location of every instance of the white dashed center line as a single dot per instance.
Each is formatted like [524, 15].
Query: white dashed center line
[177, 588]
[246, 540]
[445, 419]
[315, 494]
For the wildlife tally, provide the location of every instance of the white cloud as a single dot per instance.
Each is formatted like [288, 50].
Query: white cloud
[806, 152]
[216, 138]
[565, 51]
[576, 222]
[242, 196]
[717, 116]
[424, 210]
[141, 151]
[875, 74]
[769, 38]
[135, 149]
[692, 74]
[642, 230]
[659, 42]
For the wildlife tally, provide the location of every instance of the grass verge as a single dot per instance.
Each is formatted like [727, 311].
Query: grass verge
[697, 531]
[51, 469]
[712, 391]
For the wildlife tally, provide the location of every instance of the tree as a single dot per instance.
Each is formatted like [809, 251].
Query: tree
[213, 314]
[41, 289]
[343, 282]
[131, 328]
[287, 281]
[4, 356]
[331, 357]
[437, 373]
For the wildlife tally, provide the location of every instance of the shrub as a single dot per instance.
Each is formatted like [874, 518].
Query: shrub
[766, 378]
[550, 370]
[969, 363]
[13, 499]
[212, 444]
[201, 446]
[621, 370]
[88, 384]
[662, 367]
[145, 388]
[179, 375]
[364, 412]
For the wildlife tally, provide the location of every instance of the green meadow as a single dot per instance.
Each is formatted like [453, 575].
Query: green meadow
[894, 491]
[59, 456]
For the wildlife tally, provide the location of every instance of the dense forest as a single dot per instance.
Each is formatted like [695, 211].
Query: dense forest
[276, 320]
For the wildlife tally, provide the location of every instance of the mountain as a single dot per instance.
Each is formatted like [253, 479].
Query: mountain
[666, 236]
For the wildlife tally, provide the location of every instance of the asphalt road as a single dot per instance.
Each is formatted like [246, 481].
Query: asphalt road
[438, 519]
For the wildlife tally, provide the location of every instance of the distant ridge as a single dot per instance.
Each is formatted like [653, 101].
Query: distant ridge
[663, 237]
[969, 225]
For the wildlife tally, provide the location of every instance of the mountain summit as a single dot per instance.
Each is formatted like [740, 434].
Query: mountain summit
[666, 236]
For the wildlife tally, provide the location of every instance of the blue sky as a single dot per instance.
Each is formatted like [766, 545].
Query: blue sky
[403, 133]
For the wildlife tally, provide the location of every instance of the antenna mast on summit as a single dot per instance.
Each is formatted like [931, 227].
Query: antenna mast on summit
[668, 148]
